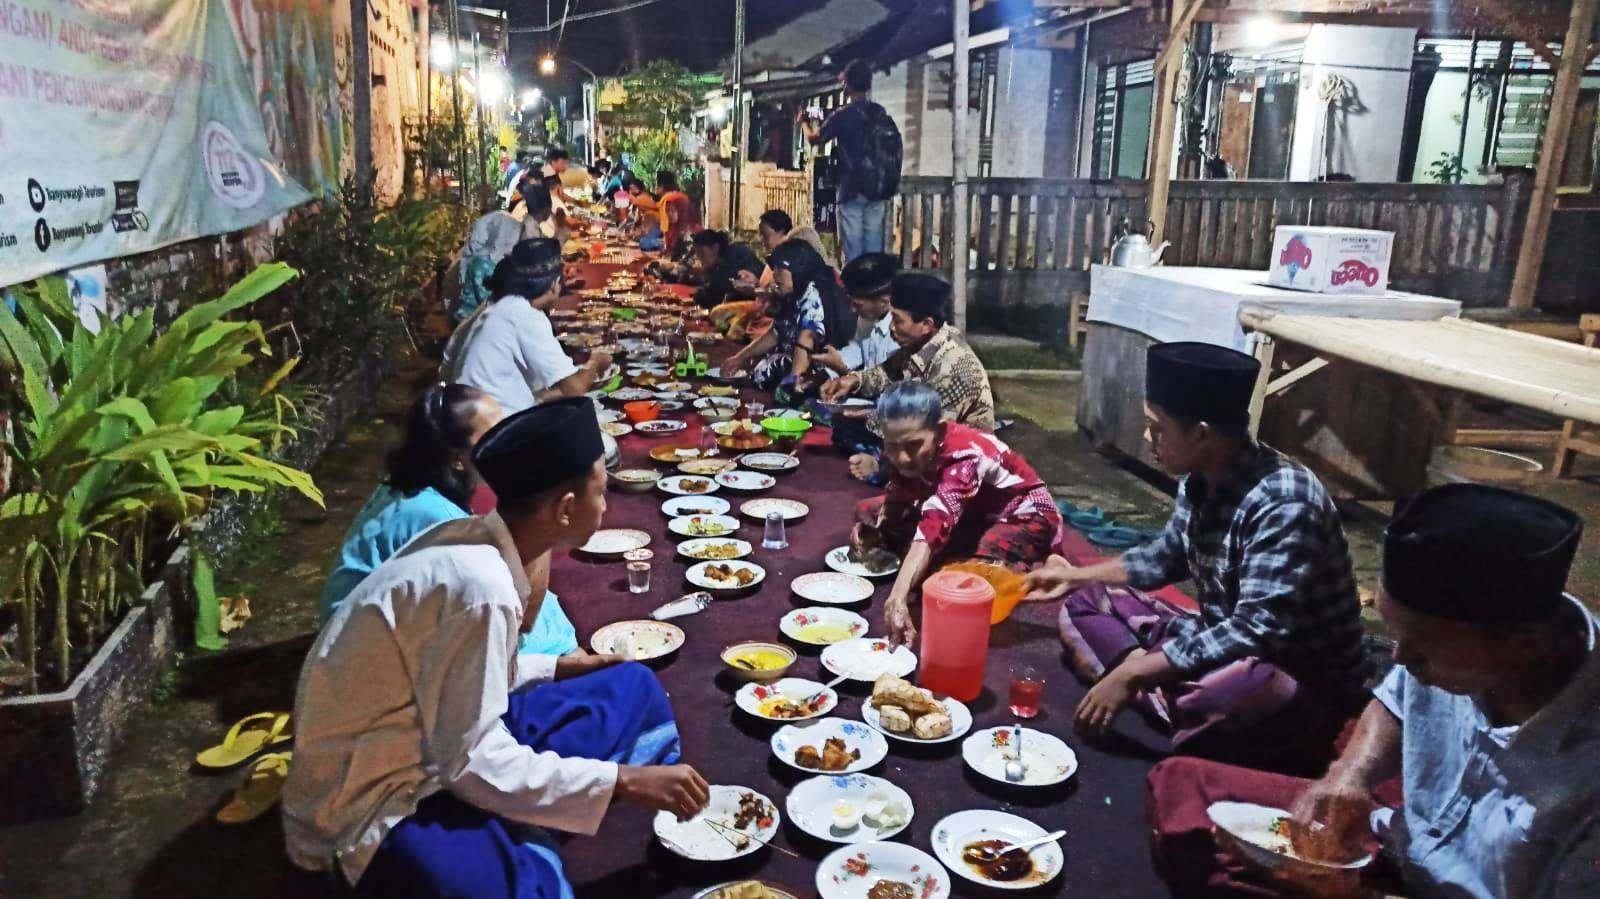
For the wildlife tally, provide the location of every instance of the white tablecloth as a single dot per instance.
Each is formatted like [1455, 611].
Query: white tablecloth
[1172, 303]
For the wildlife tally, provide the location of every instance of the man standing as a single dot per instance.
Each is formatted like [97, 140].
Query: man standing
[868, 157]
[424, 763]
[1272, 667]
[1491, 719]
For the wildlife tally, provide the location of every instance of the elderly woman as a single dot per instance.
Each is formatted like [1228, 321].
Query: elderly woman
[493, 235]
[955, 493]
[431, 480]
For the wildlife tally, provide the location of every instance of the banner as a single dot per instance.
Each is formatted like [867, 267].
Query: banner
[126, 125]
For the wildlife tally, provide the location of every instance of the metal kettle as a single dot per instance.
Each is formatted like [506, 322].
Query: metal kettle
[1133, 249]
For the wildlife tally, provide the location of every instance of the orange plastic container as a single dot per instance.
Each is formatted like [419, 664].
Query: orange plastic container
[955, 633]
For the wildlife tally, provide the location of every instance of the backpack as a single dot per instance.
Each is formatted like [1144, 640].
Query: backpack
[878, 171]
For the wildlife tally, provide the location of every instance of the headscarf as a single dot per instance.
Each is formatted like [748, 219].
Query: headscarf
[493, 235]
[808, 269]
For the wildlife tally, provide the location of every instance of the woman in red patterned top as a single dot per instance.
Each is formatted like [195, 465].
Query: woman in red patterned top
[955, 493]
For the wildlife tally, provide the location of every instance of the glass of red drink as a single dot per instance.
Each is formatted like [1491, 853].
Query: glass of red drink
[1027, 688]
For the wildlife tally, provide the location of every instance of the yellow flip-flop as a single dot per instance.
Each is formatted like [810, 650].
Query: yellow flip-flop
[252, 734]
[262, 788]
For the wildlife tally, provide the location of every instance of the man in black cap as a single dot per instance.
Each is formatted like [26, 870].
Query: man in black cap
[930, 349]
[1272, 667]
[430, 756]
[508, 348]
[1491, 719]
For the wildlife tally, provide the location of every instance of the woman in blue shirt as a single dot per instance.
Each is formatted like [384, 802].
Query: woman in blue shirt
[430, 481]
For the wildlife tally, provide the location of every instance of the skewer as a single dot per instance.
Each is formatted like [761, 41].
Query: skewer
[723, 827]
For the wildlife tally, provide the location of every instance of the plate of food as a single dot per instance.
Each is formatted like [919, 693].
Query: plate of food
[611, 543]
[792, 510]
[1046, 761]
[686, 485]
[691, 505]
[773, 463]
[634, 480]
[881, 871]
[740, 434]
[673, 453]
[703, 336]
[674, 396]
[822, 625]
[786, 699]
[1265, 836]
[675, 387]
[831, 745]
[747, 889]
[737, 822]
[969, 843]
[703, 525]
[670, 405]
[706, 467]
[714, 549]
[606, 415]
[849, 808]
[616, 428]
[631, 395]
[868, 658]
[718, 390]
[832, 588]
[746, 481]
[580, 340]
[904, 711]
[850, 406]
[878, 562]
[659, 426]
[642, 641]
[725, 577]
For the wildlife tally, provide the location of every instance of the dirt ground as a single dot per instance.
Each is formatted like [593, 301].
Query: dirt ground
[149, 832]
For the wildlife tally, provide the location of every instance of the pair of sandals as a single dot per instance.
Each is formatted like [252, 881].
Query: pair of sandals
[251, 740]
[1102, 531]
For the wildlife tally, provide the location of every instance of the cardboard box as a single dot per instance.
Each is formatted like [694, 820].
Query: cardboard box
[1331, 260]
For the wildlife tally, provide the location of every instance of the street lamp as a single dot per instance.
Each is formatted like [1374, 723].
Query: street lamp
[444, 56]
[547, 65]
[530, 97]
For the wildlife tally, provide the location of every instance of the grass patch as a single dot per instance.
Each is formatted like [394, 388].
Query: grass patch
[1058, 358]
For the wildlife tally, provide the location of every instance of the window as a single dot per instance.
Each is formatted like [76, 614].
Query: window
[1124, 99]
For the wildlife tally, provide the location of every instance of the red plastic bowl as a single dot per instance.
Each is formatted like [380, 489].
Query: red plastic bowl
[643, 410]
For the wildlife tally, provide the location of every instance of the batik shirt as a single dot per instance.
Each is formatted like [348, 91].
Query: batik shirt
[981, 482]
[948, 364]
[1271, 570]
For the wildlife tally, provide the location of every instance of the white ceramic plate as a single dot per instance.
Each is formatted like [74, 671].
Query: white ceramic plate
[1046, 761]
[695, 549]
[726, 428]
[696, 840]
[715, 373]
[703, 525]
[635, 371]
[856, 736]
[705, 467]
[810, 806]
[838, 559]
[697, 576]
[641, 641]
[670, 405]
[746, 481]
[850, 871]
[799, 625]
[777, 891]
[771, 462]
[674, 485]
[752, 696]
[616, 428]
[1251, 829]
[864, 658]
[832, 588]
[675, 387]
[960, 722]
[631, 394]
[955, 832]
[676, 397]
[759, 509]
[613, 542]
[707, 402]
[680, 506]
[659, 426]
[607, 415]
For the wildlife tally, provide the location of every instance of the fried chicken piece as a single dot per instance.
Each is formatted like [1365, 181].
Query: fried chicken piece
[835, 757]
[808, 757]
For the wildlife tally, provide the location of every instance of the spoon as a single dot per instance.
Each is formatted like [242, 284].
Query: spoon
[986, 854]
[1014, 770]
[831, 684]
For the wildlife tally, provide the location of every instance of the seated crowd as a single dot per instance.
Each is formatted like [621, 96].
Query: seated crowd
[449, 727]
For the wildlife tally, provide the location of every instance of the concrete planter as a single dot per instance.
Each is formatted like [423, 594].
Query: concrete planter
[54, 747]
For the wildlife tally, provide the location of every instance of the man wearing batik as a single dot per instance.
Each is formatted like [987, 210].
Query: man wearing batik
[1272, 667]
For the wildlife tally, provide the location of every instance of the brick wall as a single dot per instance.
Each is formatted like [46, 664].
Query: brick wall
[193, 269]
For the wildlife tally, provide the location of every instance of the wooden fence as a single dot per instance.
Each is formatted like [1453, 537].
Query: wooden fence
[1033, 239]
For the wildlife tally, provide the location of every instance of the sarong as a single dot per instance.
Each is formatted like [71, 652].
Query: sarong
[1020, 544]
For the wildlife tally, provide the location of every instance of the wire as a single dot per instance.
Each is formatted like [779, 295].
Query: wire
[546, 28]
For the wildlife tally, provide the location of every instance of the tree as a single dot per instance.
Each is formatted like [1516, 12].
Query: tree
[661, 95]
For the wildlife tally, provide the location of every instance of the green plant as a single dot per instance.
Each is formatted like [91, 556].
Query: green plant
[651, 152]
[119, 435]
[1447, 169]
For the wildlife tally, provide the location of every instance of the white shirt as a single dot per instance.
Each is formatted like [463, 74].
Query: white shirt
[1493, 812]
[508, 350]
[870, 349]
[401, 697]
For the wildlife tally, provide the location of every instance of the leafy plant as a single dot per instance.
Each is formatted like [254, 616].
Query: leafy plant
[661, 95]
[119, 434]
[1447, 169]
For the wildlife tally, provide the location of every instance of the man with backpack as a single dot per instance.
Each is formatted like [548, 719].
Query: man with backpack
[868, 158]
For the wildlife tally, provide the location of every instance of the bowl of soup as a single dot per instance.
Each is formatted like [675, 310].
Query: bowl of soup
[758, 661]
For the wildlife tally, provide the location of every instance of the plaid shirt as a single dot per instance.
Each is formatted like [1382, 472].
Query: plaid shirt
[1268, 558]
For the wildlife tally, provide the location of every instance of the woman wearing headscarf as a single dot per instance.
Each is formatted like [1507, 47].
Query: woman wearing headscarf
[493, 235]
[809, 312]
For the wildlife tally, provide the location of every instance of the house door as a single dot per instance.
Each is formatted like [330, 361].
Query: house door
[1237, 119]
[1272, 131]
[1577, 167]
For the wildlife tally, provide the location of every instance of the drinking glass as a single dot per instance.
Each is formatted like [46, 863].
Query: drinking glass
[755, 411]
[1027, 688]
[638, 577]
[776, 535]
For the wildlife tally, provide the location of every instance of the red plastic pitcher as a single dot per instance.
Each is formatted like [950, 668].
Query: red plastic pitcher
[955, 633]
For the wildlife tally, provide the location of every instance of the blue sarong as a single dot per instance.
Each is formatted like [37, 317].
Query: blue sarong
[450, 848]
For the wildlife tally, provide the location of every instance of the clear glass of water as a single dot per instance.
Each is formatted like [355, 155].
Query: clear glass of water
[755, 411]
[638, 577]
[776, 536]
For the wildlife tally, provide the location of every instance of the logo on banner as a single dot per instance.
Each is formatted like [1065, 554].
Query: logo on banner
[127, 216]
[236, 177]
[35, 195]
